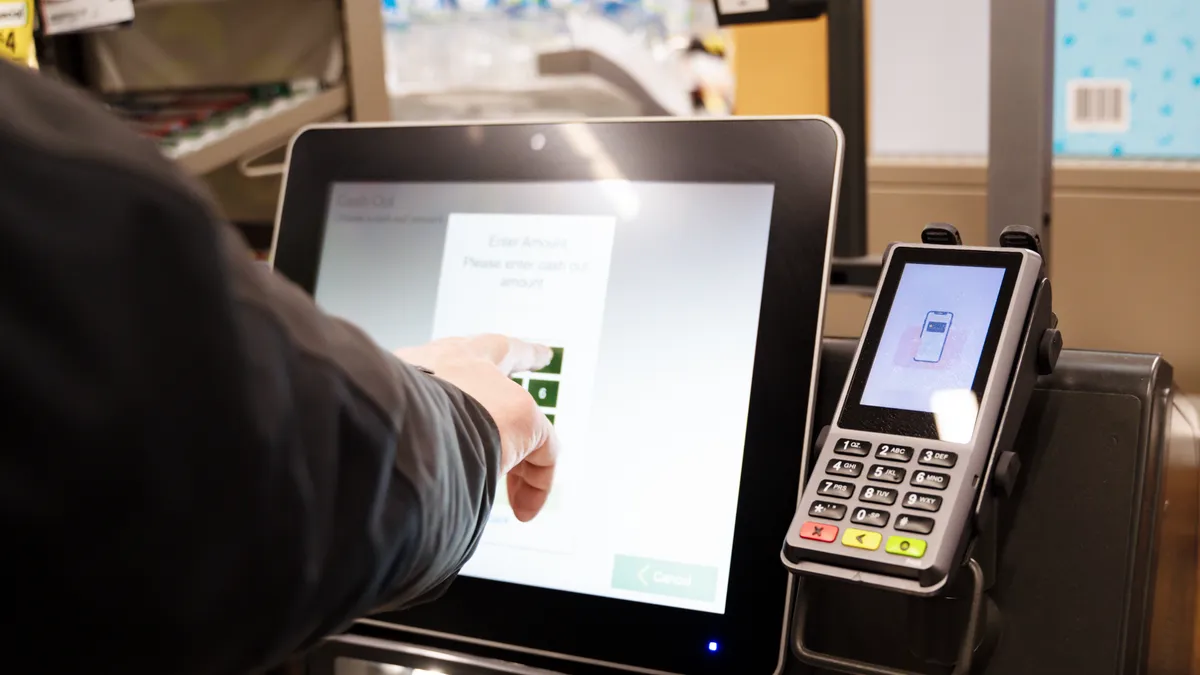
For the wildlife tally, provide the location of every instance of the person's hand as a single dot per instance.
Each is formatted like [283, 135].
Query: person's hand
[482, 367]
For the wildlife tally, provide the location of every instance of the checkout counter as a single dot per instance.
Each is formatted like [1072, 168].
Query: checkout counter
[1098, 573]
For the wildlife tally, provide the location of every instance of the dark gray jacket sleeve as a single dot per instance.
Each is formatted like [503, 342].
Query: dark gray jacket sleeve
[430, 453]
[200, 472]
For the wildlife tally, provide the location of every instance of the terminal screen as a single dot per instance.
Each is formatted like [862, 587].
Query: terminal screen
[649, 294]
[930, 348]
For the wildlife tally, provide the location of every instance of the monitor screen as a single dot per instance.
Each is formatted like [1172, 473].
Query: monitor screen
[934, 335]
[650, 294]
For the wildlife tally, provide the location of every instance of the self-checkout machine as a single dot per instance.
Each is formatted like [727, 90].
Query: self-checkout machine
[1075, 554]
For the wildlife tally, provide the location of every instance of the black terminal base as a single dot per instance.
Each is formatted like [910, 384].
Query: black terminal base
[940, 621]
[966, 601]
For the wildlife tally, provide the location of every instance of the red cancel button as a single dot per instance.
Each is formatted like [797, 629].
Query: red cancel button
[818, 532]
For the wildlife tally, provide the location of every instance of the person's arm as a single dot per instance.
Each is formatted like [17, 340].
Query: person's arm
[200, 471]
[410, 462]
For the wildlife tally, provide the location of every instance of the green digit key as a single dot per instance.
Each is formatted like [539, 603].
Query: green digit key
[555, 365]
[545, 392]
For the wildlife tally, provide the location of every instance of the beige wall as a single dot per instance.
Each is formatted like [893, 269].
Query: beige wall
[1125, 247]
[781, 68]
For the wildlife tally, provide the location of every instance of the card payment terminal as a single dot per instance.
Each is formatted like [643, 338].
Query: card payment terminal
[889, 500]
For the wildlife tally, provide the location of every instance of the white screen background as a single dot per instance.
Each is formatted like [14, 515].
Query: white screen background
[656, 475]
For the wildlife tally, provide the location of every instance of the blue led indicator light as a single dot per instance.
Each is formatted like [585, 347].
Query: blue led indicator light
[713, 646]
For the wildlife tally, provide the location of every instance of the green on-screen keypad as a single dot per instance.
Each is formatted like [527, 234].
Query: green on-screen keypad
[545, 392]
[555, 365]
[544, 388]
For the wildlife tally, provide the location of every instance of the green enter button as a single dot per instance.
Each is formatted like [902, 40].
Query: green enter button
[661, 577]
[907, 546]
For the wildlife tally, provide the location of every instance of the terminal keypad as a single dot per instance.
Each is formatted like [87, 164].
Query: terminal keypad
[894, 453]
[878, 495]
[843, 467]
[819, 532]
[922, 502]
[917, 524]
[853, 447]
[938, 458]
[871, 517]
[836, 489]
[827, 510]
[931, 480]
[909, 512]
[887, 474]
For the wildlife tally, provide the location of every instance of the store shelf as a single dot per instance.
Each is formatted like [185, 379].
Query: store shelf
[260, 133]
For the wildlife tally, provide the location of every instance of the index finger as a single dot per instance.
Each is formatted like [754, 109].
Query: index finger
[519, 356]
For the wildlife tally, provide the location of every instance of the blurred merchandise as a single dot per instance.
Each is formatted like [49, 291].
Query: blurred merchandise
[506, 59]
[185, 121]
[16, 32]
[190, 44]
[71, 16]
[714, 86]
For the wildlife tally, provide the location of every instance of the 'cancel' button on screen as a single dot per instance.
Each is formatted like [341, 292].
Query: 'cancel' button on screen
[662, 577]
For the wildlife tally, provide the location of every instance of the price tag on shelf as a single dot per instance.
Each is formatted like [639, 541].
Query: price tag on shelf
[16, 30]
[70, 16]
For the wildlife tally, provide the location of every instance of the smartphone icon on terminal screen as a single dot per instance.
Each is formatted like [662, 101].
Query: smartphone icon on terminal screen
[933, 336]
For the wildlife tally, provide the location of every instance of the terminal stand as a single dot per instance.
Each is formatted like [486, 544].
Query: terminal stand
[966, 601]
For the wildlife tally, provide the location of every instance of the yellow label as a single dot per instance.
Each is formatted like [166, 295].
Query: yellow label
[16, 29]
[913, 548]
[862, 539]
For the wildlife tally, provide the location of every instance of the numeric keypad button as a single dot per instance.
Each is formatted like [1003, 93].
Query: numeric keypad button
[894, 453]
[844, 467]
[919, 502]
[853, 447]
[878, 495]
[915, 524]
[835, 489]
[931, 480]
[827, 510]
[870, 517]
[938, 458]
[886, 474]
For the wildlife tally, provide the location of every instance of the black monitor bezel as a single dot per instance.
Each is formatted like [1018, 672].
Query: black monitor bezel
[910, 423]
[801, 157]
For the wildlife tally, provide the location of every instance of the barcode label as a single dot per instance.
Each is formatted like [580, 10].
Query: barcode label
[1098, 106]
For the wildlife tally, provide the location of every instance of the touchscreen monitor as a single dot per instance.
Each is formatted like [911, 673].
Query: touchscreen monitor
[678, 269]
[649, 293]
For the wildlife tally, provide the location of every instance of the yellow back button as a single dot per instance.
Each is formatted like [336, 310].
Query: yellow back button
[913, 548]
[862, 539]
